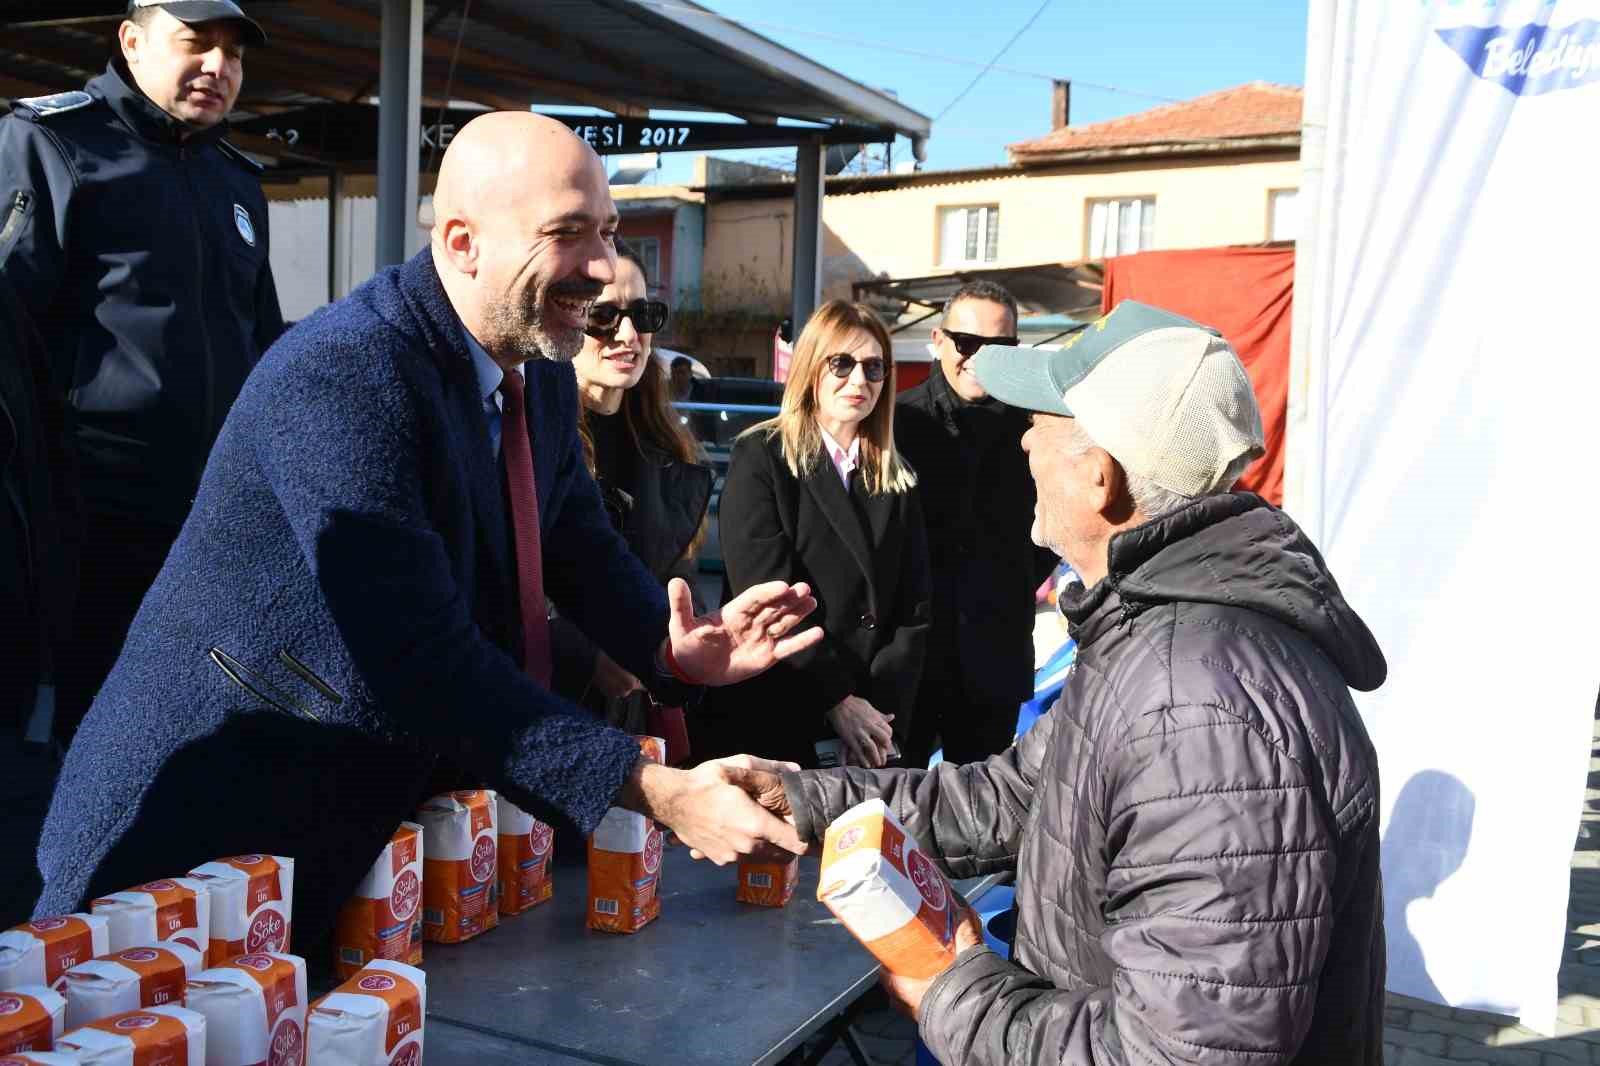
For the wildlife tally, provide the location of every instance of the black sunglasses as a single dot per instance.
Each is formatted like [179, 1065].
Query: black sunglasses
[967, 344]
[648, 316]
[843, 365]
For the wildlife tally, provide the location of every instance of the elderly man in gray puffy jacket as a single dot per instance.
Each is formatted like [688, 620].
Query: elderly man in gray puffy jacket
[1194, 826]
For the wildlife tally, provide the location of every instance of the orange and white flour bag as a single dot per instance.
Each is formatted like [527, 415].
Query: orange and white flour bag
[379, 920]
[252, 897]
[767, 884]
[152, 976]
[40, 951]
[41, 1058]
[177, 908]
[459, 865]
[32, 1018]
[884, 888]
[625, 864]
[373, 1019]
[159, 1036]
[255, 1010]
[525, 848]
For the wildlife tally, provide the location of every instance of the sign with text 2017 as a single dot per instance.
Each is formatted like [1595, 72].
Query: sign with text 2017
[348, 133]
[609, 135]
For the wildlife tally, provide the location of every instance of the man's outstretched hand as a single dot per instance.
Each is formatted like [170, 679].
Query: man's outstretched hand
[711, 808]
[746, 637]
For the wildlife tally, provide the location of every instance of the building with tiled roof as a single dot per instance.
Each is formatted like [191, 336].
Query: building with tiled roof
[1248, 118]
[1220, 169]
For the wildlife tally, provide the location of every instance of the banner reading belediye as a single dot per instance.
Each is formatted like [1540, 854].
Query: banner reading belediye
[1444, 451]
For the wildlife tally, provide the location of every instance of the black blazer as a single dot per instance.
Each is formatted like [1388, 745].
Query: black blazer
[669, 500]
[866, 558]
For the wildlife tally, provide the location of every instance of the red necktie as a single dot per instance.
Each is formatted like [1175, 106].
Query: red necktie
[524, 496]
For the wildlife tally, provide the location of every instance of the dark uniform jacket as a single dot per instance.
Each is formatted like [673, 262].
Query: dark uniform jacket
[143, 259]
[33, 600]
[33, 484]
[340, 612]
[1193, 827]
[977, 498]
[865, 556]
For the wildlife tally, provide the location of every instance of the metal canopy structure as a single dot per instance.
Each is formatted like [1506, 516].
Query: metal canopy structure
[625, 57]
[1071, 289]
[346, 135]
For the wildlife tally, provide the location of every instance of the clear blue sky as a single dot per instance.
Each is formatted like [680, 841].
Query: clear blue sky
[1158, 48]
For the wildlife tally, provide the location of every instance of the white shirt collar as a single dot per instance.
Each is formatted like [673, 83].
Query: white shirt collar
[845, 460]
[490, 375]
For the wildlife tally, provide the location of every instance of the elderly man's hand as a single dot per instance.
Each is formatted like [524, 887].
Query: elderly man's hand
[711, 809]
[743, 639]
[906, 992]
[760, 781]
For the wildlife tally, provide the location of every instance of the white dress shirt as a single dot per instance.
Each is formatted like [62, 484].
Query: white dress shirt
[845, 460]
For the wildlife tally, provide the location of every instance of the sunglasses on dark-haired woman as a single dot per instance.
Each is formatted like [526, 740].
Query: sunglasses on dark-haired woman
[647, 316]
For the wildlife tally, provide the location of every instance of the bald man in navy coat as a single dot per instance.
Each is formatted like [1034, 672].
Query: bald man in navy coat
[340, 612]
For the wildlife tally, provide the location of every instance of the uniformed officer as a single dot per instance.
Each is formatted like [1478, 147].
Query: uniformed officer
[136, 237]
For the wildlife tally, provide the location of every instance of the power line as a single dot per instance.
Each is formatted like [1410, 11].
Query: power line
[915, 53]
[449, 81]
[962, 95]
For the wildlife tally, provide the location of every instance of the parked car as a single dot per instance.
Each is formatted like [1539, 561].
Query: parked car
[717, 411]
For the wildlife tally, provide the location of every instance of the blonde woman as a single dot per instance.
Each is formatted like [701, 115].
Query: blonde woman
[819, 494]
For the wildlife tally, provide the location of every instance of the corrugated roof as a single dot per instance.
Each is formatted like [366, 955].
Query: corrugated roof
[624, 57]
[1245, 113]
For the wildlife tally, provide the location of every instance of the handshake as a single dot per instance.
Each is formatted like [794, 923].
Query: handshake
[728, 808]
[721, 809]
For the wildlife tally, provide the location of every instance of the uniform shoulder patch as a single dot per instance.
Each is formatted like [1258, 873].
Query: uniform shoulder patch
[54, 104]
[238, 156]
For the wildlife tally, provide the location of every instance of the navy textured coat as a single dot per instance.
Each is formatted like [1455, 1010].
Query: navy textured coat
[336, 614]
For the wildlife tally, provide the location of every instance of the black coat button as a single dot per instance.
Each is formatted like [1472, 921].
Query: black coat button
[869, 621]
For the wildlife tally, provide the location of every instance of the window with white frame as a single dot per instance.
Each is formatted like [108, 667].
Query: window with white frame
[1283, 214]
[969, 234]
[1121, 227]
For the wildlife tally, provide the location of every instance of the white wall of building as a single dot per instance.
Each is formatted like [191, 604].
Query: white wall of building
[300, 249]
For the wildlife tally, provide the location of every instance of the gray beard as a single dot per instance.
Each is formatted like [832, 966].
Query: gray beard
[517, 328]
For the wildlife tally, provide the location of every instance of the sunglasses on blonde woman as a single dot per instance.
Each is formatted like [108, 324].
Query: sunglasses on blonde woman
[844, 364]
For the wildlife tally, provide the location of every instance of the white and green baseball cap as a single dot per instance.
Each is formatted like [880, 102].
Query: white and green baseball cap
[1167, 397]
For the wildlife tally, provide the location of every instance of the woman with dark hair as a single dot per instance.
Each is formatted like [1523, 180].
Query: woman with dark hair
[648, 469]
[819, 494]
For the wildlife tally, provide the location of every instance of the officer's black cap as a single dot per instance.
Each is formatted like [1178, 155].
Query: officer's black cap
[192, 11]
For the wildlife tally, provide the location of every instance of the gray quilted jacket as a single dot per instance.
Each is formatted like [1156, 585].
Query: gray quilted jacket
[1194, 826]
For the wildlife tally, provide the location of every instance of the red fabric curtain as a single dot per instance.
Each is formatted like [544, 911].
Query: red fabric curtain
[1247, 294]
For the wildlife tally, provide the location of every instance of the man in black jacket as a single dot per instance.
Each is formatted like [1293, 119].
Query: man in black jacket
[978, 502]
[1194, 826]
[136, 237]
